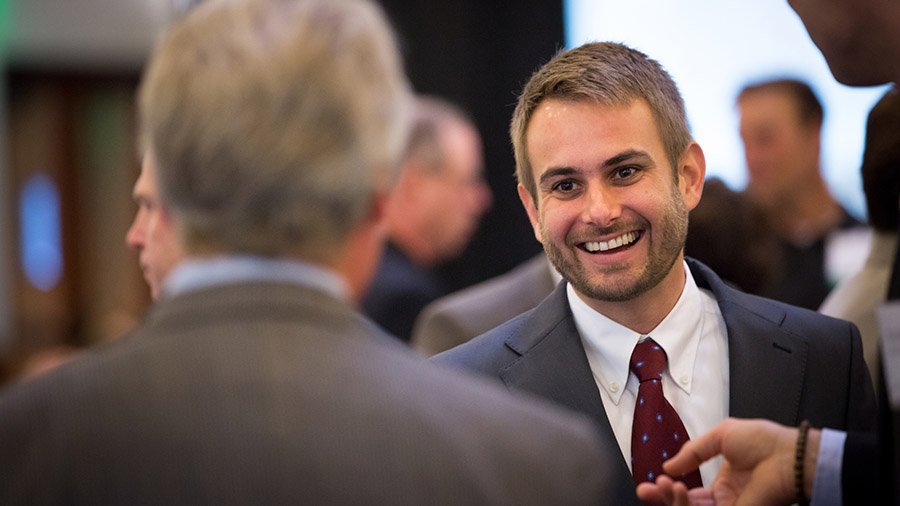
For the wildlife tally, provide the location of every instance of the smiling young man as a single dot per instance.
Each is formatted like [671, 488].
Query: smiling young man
[608, 172]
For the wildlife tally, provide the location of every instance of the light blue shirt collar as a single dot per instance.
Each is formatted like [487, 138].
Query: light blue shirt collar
[198, 273]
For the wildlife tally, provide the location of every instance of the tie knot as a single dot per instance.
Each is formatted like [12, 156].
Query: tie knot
[648, 360]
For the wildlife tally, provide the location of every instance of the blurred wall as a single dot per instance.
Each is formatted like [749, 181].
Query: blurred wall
[84, 34]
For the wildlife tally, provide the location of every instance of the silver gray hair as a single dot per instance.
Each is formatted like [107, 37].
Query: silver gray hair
[274, 122]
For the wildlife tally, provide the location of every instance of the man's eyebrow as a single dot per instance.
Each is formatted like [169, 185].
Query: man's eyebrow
[556, 172]
[628, 155]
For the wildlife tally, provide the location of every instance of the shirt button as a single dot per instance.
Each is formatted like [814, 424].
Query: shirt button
[614, 387]
[684, 380]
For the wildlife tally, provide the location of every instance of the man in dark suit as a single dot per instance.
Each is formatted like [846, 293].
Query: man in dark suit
[607, 172]
[275, 128]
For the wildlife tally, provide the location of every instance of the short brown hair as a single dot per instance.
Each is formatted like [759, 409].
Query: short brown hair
[607, 73]
[809, 107]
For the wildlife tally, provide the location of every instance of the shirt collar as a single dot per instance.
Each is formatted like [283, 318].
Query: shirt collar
[198, 273]
[611, 343]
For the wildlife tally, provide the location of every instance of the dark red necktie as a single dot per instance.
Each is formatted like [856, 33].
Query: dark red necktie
[656, 432]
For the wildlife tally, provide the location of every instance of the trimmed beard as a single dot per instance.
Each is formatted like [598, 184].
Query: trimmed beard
[673, 234]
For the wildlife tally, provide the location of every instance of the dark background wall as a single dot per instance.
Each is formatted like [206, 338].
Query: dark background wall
[478, 54]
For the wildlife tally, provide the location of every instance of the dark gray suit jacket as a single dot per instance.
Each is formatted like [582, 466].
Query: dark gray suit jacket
[265, 393]
[786, 364]
[460, 316]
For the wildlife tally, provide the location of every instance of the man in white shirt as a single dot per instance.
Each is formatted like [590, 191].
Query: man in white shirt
[608, 172]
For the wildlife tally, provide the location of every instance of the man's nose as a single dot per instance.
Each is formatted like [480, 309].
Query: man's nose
[134, 238]
[601, 206]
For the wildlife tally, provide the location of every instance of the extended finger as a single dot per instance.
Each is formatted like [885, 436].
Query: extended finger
[696, 451]
[658, 492]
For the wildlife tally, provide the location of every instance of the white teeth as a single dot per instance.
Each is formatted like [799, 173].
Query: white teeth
[617, 242]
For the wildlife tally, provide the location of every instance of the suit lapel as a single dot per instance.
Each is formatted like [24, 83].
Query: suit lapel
[767, 364]
[552, 362]
[553, 365]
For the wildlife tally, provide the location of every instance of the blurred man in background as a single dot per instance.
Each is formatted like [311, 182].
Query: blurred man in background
[781, 127]
[432, 214]
[152, 235]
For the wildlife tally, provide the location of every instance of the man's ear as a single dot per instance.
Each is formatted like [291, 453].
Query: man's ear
[531, 209]
[691, 174]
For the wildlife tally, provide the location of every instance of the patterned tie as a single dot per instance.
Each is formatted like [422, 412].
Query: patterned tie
[656, 432]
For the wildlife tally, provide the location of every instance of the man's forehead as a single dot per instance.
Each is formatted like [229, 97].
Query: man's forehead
[552, 107]
[556, 116]
[769, 103]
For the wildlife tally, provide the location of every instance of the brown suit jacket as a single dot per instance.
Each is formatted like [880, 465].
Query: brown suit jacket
[267, 393]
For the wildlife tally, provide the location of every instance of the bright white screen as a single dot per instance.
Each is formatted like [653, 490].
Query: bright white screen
[714, 47]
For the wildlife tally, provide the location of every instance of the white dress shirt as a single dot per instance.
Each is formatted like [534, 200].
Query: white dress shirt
[696, 381]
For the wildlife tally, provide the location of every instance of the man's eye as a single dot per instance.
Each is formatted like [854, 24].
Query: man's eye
[625, 172]
[564, 186]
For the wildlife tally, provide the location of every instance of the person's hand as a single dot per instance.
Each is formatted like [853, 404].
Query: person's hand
[673, 493]
[758, 467]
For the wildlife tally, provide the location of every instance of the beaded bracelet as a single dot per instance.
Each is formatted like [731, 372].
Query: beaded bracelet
[798, 461]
